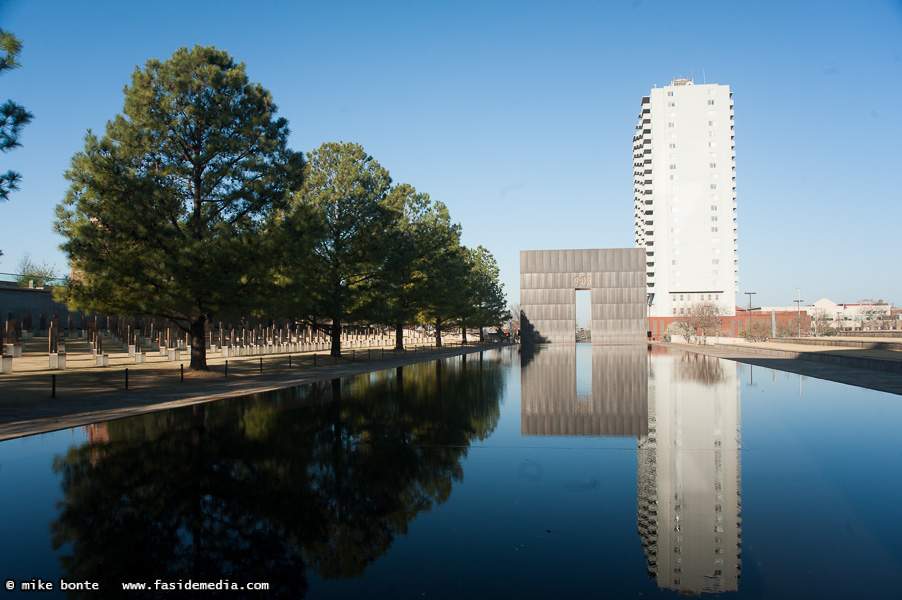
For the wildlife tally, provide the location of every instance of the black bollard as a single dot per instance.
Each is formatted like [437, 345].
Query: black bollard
[53, 386]
[182, 372]
[261, 364]
[126, 378]
[227, 367]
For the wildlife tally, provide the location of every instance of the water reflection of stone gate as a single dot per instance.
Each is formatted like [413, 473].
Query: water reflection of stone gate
[616, 281]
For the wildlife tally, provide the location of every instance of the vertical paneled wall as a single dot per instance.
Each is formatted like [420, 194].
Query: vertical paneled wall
[616, 280]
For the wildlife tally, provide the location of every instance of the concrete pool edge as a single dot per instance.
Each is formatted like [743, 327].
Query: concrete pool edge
[881, 374]
[46, 417]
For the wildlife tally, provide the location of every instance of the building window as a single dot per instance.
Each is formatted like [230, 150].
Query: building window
[712, 144]
[670, 124]
[714, 217]
[712, 123]
[714, 230]
[670, 93]
[673, 166]
[713, 207]
[713, 186]
[672, 145]
[709, 296]
[710, 102]
[712, 134]
[681, 297]
[674, 310]
[712, 165]
[714, 261]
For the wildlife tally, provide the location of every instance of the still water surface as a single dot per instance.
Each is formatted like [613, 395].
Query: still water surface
[571, 472]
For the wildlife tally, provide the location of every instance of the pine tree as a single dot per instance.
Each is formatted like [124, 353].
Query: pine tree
[164, 212]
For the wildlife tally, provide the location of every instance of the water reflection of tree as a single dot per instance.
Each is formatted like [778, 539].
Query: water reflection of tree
[699, 368]
[260, 489]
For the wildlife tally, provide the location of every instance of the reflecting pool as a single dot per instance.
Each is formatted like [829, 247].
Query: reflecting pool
[565, 471]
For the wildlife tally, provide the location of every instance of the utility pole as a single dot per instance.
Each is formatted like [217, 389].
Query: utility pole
[750, 294]
[799, 302]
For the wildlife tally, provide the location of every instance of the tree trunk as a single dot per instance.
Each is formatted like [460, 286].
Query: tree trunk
[399, 337]
[199, 344]
[336, 338]
[464, 336]
[438, 333]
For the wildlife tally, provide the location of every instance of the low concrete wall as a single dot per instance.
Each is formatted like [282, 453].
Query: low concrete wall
[895, 333]
[844, 343]
[861, 362]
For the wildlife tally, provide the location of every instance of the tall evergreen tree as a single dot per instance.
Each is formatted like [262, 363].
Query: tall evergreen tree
[13, 116]
[164, 212]
[341, 200]
[446, 294]
[420, 231]
[487, 303]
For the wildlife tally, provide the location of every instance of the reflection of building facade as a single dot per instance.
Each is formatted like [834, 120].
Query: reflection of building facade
[688, 475]
[557, 398]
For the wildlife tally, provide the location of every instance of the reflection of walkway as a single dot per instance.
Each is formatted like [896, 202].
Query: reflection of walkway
[689, 477]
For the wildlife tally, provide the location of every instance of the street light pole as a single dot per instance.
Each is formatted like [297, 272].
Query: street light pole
[750, 294]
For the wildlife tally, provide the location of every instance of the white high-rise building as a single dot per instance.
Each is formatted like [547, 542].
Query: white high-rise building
[685, 200]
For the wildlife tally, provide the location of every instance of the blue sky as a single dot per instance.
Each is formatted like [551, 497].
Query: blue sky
[519, 115]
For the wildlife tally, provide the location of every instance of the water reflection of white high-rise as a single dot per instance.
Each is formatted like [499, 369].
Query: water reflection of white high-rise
[689, 506]
[683, 410]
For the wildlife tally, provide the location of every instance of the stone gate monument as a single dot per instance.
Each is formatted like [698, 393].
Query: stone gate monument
[615, 279]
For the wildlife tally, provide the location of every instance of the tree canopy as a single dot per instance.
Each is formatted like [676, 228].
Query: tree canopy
[13, 116]
[421, 230]
[164, 213]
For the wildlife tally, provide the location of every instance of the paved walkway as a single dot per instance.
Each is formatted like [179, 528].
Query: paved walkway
[868, 368]
[89, 394]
